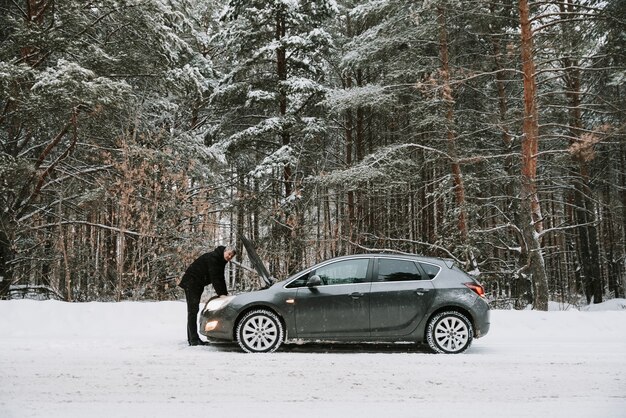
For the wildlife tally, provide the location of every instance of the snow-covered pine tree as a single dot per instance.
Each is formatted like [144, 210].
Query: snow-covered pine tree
[273, 60]
[371, 102]
[76, 80]
[395, 84]
[609, 86]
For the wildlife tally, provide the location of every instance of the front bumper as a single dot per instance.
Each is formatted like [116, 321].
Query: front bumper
[221, 324]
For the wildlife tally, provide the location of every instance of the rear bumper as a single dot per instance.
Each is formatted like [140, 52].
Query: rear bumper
[482, 318]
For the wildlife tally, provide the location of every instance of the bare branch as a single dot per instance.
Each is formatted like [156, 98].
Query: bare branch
[107, 227]
[426, 244]
[562, 228]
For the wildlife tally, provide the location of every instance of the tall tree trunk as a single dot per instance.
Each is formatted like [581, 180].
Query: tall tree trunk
[585, 212]
[293, 240]
[349, 130]
[622, 195]
[531, 219]
[67, 268]
[121, 216]
[6, 257]
[457, 177]
[509, 204]
[614, 266]
[425, 199]
[242, 208]
[34, 12]
[503, 109]
[281, 70]
[359, 144]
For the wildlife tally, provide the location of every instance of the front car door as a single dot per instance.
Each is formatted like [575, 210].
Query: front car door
[339, 307]
[400, 295]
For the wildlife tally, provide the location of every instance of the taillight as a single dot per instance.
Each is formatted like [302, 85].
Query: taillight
[478, 289]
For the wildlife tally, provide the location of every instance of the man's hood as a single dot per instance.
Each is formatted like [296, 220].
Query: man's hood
[256, 262]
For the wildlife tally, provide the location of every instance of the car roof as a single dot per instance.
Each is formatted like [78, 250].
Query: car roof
[415, 257]
[440, 262]
[262, 271]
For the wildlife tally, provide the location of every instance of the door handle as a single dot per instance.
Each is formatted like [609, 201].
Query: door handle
[421, 292]
[356, 295]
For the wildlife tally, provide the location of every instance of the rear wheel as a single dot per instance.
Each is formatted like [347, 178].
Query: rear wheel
[260, 331]
[449, 332]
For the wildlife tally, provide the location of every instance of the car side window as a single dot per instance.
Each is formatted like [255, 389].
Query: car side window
[299, 282]
[344, 272]
[430, 270]
[390, 270]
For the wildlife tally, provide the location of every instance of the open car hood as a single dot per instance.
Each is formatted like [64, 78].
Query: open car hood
[256, 262]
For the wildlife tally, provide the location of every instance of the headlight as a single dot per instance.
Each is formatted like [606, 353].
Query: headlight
[210, 326]
[219, 303]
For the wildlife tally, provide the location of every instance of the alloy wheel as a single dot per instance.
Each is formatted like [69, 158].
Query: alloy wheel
[450, 333]
[260, 332]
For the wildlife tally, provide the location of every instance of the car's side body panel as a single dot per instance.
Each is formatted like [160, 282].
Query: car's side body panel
[397, 308]
[377, 309]
[336, 312]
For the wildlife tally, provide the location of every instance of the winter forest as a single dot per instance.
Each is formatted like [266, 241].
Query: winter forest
[137, 134]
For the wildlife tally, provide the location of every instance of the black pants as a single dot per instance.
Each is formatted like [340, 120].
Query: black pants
[193, 294]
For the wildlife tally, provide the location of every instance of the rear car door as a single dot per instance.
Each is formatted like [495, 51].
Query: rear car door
[400, 295]
[339, 308]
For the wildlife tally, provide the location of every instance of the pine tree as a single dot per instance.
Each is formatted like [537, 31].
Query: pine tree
[74, 78]
[273, 59]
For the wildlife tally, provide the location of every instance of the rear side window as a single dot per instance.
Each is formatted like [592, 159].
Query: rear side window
[397, 270]
[430, 270]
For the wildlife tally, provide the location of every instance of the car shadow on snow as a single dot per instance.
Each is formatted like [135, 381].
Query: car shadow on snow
[353, 348]
[321, 348]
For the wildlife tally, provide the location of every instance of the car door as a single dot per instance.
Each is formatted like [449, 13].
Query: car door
[399, 297]
[339, 307]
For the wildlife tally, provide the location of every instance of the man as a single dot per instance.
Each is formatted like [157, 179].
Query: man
[208, 268]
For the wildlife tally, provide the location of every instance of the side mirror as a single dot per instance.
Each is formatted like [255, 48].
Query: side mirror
[314, 281]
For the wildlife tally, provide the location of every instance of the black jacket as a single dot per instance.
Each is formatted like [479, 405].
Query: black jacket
[208, 268]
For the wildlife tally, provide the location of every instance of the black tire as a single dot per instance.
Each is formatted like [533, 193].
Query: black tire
[260, 331]
[449, 332]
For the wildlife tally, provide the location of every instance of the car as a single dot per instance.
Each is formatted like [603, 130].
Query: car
[378, 297]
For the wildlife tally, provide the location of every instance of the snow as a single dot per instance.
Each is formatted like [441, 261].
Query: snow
[123, 359]
[301, 84]
[259, 96]
[370, 95]
[66, 72]
[278, 159]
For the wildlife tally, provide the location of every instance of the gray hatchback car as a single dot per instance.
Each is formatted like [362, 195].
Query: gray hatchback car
[357, 298]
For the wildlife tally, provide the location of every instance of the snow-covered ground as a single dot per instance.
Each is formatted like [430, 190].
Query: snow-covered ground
[131, 359]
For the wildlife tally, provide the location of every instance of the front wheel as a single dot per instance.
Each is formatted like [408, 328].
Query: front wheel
[449, 333]
[260, 331]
